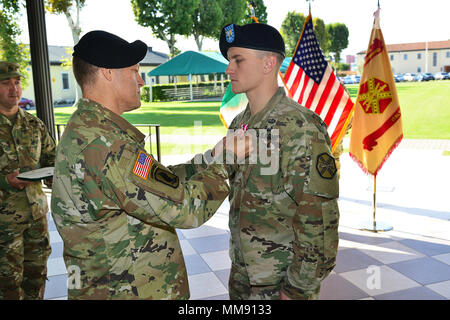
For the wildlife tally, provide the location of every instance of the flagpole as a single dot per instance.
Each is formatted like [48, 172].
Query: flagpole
[374, 203]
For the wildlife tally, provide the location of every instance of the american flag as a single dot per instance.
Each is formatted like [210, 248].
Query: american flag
[142, 165]
[312, 83]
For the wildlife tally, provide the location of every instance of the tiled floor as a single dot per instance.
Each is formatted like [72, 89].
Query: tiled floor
[410, 262]
[369, 265]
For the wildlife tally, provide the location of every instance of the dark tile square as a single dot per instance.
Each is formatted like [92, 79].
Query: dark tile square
[367, 239]
[425, 247]
[353, 259]
[423, 270]
[223, 276]
[56, 287]
[209, 244]
[334, 287]
[417, 293]
[195, 265]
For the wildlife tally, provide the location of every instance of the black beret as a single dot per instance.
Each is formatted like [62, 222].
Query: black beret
[258, 36]
[106, 50]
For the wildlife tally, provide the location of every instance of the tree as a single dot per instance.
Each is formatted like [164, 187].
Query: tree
[233, 11]
[10, 47]
[71, 9]
[338, 39]
[321, 34]
[291, 29]
[207, 21]
[166, 18]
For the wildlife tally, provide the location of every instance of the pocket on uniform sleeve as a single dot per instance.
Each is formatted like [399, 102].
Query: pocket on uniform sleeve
[145, 172]
[323, 180]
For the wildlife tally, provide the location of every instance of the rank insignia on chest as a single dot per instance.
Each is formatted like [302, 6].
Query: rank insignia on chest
[143, 164]
[326, 166]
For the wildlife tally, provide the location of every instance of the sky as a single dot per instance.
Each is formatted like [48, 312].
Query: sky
[402, 21]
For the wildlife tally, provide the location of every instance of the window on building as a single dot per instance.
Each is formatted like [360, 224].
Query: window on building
[434, 59]
[419, 69]
[143, 77]
[448, 54]
[419, 56]
[392, 57]
[405, 56]
[65, 81]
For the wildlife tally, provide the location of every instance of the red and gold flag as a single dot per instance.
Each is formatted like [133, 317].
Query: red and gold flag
[377, 124]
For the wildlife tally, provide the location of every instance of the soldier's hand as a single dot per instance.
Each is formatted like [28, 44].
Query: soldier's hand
[237, 142]
[17, 183]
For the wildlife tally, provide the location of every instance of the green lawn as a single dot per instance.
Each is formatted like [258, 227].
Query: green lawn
[425, 108]
[174, 117]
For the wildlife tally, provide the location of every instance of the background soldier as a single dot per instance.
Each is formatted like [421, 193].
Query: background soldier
[25, 144]
[283, 225]
[114, 205]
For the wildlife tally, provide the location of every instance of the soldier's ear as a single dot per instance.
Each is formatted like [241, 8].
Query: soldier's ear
[270, 62]
[106, 73]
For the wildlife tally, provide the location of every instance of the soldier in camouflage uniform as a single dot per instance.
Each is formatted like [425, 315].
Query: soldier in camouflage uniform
[284, 216]
[114, 205]
[25, 145]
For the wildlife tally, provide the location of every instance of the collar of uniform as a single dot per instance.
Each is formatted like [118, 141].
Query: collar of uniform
[21, 118]
[276, 98]
[122, 123]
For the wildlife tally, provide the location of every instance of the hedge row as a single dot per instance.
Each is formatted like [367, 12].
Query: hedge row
[159, 95]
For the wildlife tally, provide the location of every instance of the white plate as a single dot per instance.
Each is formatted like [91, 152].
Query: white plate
[36, 175]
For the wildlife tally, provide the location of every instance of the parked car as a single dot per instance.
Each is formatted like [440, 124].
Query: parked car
[355, 78]
[429, 76]
[398, 77]
[26, 104]
[442, 76]
[348, 80]
[409, 76]
[423, 77]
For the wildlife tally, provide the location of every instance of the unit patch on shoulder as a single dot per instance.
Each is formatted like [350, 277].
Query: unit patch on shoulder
[143, 164]
[326, 166]
[166, 177]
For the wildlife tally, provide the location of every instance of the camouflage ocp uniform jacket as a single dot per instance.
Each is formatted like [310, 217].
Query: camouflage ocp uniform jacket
[284, 220]
[116, 208]
[26, 146]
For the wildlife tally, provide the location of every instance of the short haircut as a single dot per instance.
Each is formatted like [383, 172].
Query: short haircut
[278, 56]
[84, 72]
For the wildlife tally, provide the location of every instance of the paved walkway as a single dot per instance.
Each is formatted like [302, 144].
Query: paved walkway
[410, 262]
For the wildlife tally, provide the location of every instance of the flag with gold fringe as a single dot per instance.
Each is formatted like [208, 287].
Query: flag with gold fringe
[377, 124]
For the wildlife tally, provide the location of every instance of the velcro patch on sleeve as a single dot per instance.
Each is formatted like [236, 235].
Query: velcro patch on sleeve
[142, 165]
[166, 177]
[326, 166]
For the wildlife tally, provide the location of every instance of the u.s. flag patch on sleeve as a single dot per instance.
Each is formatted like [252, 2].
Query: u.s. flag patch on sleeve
[142, 165]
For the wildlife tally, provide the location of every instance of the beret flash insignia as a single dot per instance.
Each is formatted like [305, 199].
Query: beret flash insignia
[229, 33]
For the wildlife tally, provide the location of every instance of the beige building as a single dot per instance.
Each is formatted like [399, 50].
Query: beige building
[433, 56]
[63, 82]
